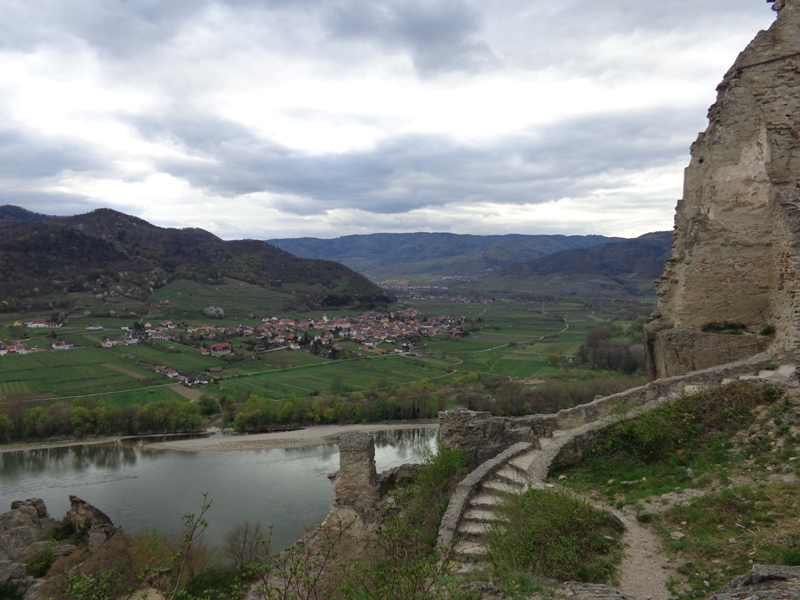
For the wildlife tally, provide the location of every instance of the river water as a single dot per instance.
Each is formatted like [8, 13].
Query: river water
[139, 487]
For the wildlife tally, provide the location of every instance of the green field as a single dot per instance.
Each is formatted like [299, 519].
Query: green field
[515, 339]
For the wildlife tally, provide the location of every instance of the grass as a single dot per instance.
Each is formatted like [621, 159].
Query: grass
[706, 442]
[727, 532]
[552, 534]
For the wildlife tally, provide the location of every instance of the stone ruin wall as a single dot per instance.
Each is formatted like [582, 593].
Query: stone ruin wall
[737, 228]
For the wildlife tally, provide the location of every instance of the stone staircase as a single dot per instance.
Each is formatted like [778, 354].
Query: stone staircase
[526, 465]
[511, 477]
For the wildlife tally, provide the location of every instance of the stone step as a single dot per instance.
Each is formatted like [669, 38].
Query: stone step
[469, 550]
[480, 515]
[511, 475]
[523, 461]
[470, 530]
[497, 486]
[485, 501]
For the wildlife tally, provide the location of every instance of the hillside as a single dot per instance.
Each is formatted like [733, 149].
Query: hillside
[392, 256]
[107, 250]
[612, 269]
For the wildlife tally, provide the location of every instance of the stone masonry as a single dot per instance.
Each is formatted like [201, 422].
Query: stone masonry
[737, 229]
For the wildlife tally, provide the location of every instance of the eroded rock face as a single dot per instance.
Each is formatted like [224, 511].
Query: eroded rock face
[85, 517]
[21, 527]
[735, 257]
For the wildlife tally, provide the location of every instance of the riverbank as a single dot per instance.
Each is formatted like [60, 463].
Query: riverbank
[310, 436]
[300, 438]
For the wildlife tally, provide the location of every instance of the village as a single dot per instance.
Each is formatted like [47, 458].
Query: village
[370, 333]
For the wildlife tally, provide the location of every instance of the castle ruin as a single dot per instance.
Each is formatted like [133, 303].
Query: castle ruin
[732, 286]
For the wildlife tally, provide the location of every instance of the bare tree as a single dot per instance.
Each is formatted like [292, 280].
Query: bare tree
[246, 544]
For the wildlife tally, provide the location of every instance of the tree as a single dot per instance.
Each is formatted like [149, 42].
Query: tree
[246, 545]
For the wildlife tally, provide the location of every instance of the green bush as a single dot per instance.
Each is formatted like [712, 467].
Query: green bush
[553, 534]
[214, 584]
[680, 430]
[40, 563]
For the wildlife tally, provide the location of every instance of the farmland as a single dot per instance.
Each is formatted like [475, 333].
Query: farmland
[523, 340]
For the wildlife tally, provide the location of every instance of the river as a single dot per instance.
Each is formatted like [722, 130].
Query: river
[139, 487]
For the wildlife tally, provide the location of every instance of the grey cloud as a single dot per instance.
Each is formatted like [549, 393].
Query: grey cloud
[27, 154]
[568, 159]
[440, 35]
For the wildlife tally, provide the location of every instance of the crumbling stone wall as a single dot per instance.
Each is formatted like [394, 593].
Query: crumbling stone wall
[737, 227]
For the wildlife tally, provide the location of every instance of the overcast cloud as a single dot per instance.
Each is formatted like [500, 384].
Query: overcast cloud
[287, 118]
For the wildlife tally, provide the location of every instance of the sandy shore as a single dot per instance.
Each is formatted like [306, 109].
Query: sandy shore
[310, 436]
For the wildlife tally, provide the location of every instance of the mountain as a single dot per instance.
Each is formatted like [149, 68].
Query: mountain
[406, 255]
[612, 269]
[106, 249]
[10, 213]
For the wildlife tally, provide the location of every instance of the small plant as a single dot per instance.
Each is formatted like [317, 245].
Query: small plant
[768, 330]
[40, 563]
[67, 532]
[91, 587]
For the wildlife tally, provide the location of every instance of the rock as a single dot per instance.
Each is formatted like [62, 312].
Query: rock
[677, 535]
[85, 517]
[764, 583]
[735, 265]
[11, 570]
[25, 524]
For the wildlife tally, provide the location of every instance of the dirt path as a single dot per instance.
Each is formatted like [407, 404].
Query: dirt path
[190, 393]
[123, 370]
[645, 570]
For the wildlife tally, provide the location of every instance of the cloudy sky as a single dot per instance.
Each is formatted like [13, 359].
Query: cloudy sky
[288, 118]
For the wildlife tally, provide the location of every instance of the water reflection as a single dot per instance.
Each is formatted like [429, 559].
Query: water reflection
[139, 487]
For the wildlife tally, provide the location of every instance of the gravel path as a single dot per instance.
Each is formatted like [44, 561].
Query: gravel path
[645, 570]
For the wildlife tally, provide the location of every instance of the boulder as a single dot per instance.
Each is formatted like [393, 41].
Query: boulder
[25, 524]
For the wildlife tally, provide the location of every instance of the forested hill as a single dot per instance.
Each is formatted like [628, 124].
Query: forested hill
[614, 269]
[41, 254]
[400, 255]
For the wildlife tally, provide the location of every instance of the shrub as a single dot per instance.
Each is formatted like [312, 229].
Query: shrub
[768, 330]
[39, 564]
[213, 584]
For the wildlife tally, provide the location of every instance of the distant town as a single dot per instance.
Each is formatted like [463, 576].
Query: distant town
[371, 333]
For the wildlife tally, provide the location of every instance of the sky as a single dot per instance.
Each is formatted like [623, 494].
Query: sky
[288, 118]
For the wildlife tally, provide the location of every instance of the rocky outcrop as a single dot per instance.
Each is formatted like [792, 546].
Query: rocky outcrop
[764, 583]
[26, 532]
[22, 530]
[735, 259]
[86, 518]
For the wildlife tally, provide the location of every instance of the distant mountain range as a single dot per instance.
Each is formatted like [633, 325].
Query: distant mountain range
[384, 256]
[105, 249]
[613, 269]
[548, 265]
